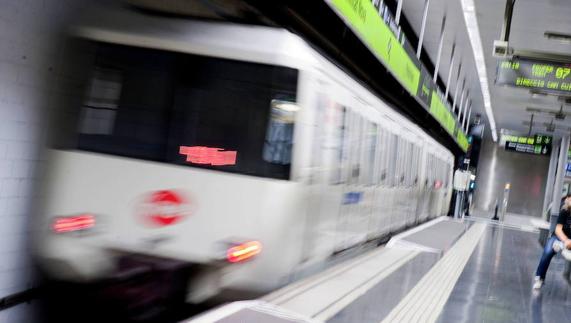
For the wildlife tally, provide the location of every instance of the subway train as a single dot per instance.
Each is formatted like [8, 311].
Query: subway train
[236, 152]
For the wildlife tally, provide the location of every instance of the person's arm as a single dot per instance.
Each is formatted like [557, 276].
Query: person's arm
[561, 235]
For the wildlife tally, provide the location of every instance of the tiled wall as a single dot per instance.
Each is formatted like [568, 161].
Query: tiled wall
[31, 70]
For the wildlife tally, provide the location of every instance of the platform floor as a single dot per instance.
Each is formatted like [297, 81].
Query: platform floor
[495, 285]
[483, 273]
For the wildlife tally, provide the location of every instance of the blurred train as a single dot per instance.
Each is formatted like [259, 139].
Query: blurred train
[237, 152]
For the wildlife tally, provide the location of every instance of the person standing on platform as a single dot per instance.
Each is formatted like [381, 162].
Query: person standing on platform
[560, 241]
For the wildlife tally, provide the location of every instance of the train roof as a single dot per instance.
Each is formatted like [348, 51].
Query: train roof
[260, 44]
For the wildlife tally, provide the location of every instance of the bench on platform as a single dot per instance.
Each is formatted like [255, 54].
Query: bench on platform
[543, 227]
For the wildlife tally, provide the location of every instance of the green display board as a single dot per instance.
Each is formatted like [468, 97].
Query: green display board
[443, 115]
[539, 139]
[533, 74]
[362, 17]
[538, 144]
[526, 148]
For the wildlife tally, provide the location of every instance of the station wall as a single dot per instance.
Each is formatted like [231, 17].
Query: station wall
[526, 173]
[32, 54]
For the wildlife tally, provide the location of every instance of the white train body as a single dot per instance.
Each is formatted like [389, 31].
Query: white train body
[356, 171]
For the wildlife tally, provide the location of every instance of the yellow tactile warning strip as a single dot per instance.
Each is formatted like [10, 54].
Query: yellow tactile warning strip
[426, 300]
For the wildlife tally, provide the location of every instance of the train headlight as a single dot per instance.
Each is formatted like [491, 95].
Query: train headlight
[243, 251]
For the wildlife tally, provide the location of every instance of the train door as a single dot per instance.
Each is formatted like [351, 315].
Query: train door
[413, 185]
[400, 189]
[392, 182]
[327, 177]
[438, 186]
[369, 179]
[433, 205]
[385, 196]
[351, 215]
[408, 185]
[378, 224]
[424, 200]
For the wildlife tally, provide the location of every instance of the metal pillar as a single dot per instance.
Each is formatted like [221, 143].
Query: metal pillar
[551, 173]
[423, 26]
[458, 205]
[464, 108]
[398, 13]
[456, 90]
[450, 71]
[440, 43]
[454, 99]
[467, 123]
[508, 13]
[460, 106]
[505, 201]
[558, 187]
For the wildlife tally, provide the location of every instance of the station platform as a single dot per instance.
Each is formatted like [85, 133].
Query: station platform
[474, 270]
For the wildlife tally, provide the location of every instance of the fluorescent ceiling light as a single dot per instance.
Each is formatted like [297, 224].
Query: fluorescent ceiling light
[474, 33]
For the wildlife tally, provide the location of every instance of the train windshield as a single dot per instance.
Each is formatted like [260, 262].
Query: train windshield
[189, 110]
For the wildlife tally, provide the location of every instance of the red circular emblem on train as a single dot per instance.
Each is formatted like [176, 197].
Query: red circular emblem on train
[166, 207]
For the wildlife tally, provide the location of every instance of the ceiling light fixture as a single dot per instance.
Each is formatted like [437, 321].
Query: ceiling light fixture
[474, 33]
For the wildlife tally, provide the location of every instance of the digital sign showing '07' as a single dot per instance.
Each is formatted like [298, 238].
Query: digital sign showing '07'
[546, 76]
[208, 155]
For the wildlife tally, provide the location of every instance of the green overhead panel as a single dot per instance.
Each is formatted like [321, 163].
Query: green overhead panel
[363, 18]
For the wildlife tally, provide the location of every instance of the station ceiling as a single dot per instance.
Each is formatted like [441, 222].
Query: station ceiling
[531, 19]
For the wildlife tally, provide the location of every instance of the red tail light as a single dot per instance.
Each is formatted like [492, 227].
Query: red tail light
[243, 251]
[73, 223]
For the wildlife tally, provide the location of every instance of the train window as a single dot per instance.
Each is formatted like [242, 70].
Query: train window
[393, 164]
[190, 110]
[356, 149]
[413, 164]
[439, 168]
[346, 146]
[279, 136]
[382, 157]
[409, 172]
[101, 102]
[401, 162]
[414, 170]
[404, 163]
[339, 135]
[378, 156]
[319, 133]
[391, 159]
[430, 171]
[328, 140]
[419, 164]
[372, 134]
[446, 175]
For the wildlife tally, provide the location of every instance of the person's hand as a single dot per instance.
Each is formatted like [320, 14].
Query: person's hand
[568, 244]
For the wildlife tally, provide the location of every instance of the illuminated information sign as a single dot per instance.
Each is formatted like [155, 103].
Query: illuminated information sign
[531, 74]
[538, 139]
[528, 148]
[536, 145]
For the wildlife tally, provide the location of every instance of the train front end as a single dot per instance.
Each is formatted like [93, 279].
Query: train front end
[174, 161]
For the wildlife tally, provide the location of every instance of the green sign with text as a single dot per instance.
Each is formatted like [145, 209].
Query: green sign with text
[531, 74]
[363, 18]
